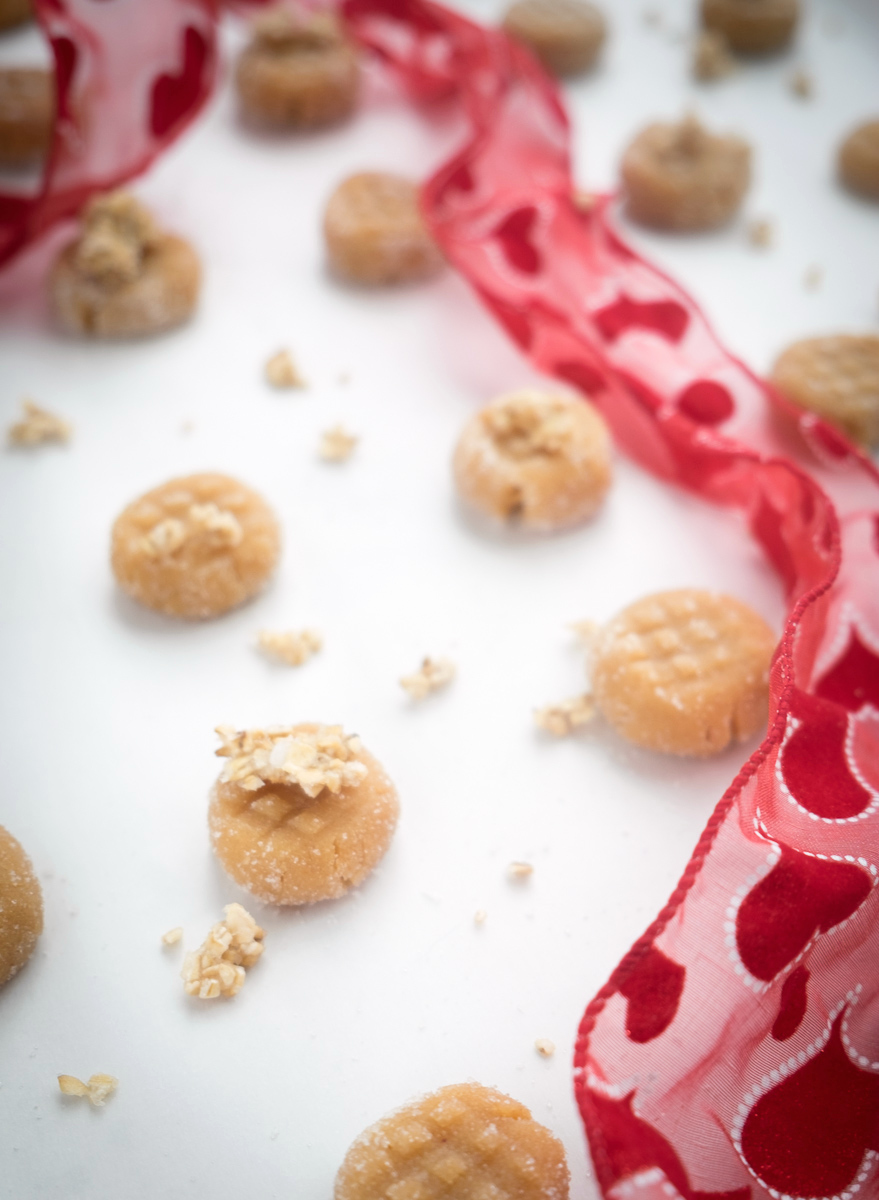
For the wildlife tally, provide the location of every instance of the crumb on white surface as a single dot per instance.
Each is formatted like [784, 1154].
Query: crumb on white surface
[761, 233]
[562, 718]
[282, 372]
[711, 57]
[173, 936]
[337, 445]
[520, 870]
[479, 916]
[290, 647]
[98, 1088]
[801, 84]
[544, 1047]
[217, 968]
[37, 426]
[813, 278]
[433, 674]
[310, 759]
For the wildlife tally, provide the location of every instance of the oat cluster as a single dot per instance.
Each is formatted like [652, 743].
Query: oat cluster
[310, 759]
[168, 535]
[530, 423]
[433, 674]
[337, 445]
[562, 718]
[117, 233]
[217, 968]
[282, 372]
[98, 1088]
[711, 57]
[761, 233]
[38, 426]
[289, 647]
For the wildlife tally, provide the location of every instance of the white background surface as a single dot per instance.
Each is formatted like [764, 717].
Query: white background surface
[107, 710]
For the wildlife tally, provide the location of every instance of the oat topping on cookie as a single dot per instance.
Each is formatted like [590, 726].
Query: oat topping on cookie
[324, 758]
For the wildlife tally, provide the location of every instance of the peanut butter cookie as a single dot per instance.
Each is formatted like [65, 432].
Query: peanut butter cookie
[858, 161]
[566, 35]
[21, 907]
[15, 12]
[752, 26]
[27, 113]
[836, 377]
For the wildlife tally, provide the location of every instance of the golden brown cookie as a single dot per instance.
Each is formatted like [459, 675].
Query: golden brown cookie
[375, 233]
[752, 26]
[195, 547]
[14, 12]
[27, 114]
[299, 71]
[300, 813]
[123, 277]
[566, 35]
[681, 177]
[837, 377]
[684, 672]
[858, 161]
[21, 907]
[538, 458]
[464, 1142]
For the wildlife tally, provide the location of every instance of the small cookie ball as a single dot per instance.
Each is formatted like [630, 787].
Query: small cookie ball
[858, 161]
[537, 458]
[464, 1142]
[123, 277]
[684, 672]
[27, 113]
[299, 72]
[752, 26]
[21, 907]
[681, 177]
[300, 813]
[375, 233]
[15, 12]
[837, 377]
[195, 547]
[566, 35]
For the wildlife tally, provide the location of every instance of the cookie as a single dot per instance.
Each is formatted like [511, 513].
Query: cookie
[21, 907]
[27, 114]
[858, 160]
[684, 672]
[300, 813]
[375, 233]
[123, 277]
[680, 177]
[837, 377]
[752, 26]
[537, 458]
[15, 12]
[464, 1142]
[299, 71]
[566, 35]
[195, 547]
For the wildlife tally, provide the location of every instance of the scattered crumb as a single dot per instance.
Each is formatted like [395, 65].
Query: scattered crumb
[311, 759]
[173, 936]
[98, 1088]
[282, 372]
[336, 445]
[479, 916]
[761, 233]
[711, 57]
[38, 426]
[564, 717]
[217, 968]
[801, 84]
[813, 278]
[544, 1047]
[584, 201]
[433, 674]
[290, 647]
[520, 870]
[585, 630]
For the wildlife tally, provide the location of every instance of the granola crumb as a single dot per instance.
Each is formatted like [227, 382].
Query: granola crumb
[586, 631]
[544, 1047]
[289, 647]
[801, 84]
[173, 936]
[711, 57]
[37, 427]
[311, 759]
[217, 968]
[479, 916]
[282, 372]
[520, 870]
[563, 718]
[813, 278]
[761, 233]
[98, 1088]
[337, 445]
[433, 674]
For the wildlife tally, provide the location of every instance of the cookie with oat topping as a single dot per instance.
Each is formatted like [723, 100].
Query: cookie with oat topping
[858, 160]
[752, 26]
[21, 907]
[566, 35]
[836, 377]
[27, 114]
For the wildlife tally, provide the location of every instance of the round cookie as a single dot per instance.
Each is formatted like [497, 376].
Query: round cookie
[539, 458]
[682, 178]
[836, 377]
[123, 277]
[752, 26]
[297, 73]
[15, 12]
[195, 547]
[27, 114]
[375, 233]
[21, 907]
[858, 160]
[566, 35]
[300, 814]
[684, 672]
[464, 1142]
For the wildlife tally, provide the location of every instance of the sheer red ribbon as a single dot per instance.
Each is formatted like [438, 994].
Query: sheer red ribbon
[735, 1050]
